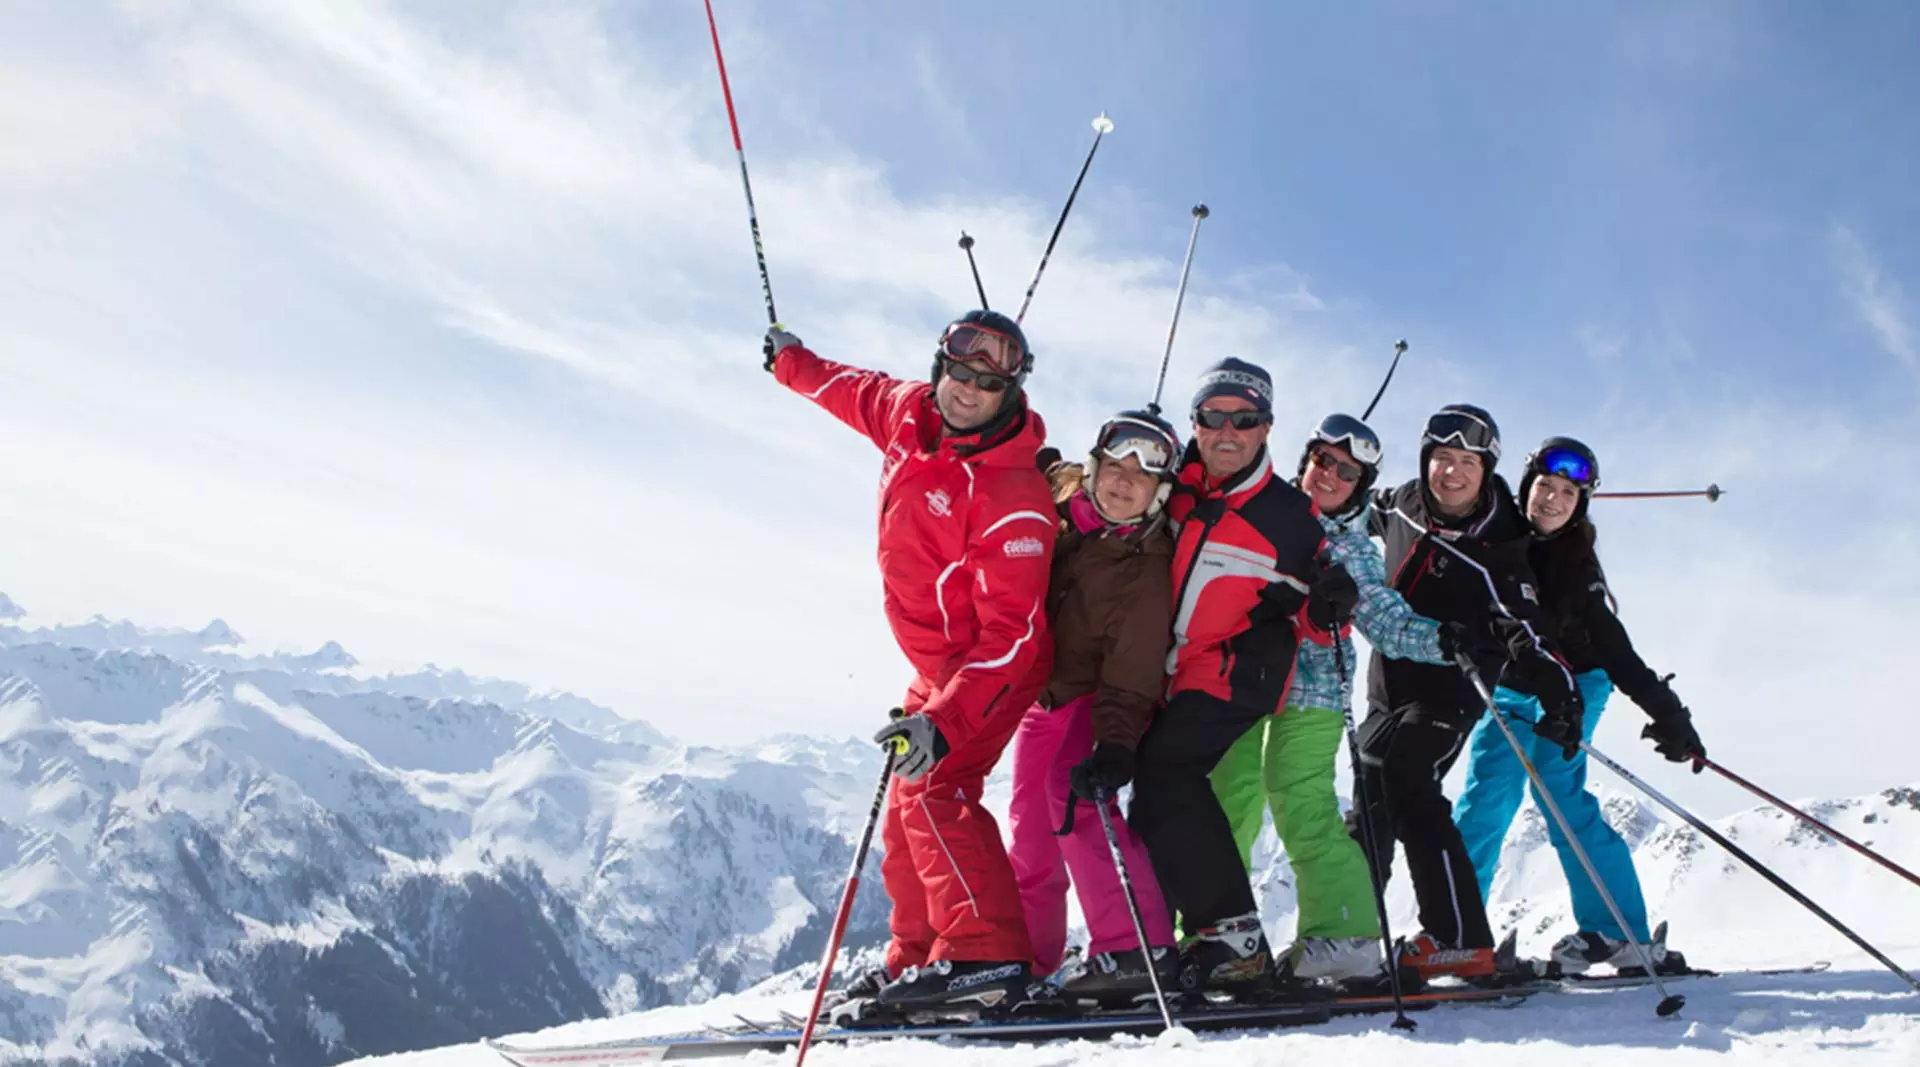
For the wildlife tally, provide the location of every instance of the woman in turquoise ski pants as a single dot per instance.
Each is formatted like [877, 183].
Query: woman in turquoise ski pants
[1579, 614]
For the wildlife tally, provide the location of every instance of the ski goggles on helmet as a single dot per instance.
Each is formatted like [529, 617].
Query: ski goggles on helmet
[1149, 444]
[1341, 469]
[964, 340]
[1568, 464]
[985, 381]
[1214, 419]
[1353, 435]
[1459, 429]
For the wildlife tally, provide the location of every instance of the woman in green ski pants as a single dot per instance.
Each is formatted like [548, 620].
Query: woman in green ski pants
[1286, 762]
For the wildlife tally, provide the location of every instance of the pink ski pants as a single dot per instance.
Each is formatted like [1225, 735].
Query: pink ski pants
[1045, 749]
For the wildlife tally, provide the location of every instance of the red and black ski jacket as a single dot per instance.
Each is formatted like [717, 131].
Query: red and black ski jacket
[1241, 568]
[1469, 571]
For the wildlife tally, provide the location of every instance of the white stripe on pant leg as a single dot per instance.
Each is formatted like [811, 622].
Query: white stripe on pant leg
[1453, 893]
[928, 812]
[1446, 860]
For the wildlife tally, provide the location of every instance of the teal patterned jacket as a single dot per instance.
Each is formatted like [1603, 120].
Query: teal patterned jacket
[1386, 620]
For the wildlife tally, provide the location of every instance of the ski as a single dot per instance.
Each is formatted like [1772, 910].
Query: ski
[722, 1042]
[1093, 1025]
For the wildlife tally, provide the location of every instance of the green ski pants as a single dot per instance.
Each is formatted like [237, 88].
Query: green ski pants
[1286, 763]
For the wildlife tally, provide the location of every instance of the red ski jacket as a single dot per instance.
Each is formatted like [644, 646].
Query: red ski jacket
[1241, 569]
[966, 540]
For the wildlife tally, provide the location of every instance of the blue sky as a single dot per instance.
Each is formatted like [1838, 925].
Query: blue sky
[433, 328]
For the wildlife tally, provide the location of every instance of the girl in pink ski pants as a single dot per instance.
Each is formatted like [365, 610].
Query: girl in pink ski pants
[1045, 748]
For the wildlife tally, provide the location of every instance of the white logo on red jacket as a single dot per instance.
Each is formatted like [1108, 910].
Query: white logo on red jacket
[1024, 546]
[940, 503]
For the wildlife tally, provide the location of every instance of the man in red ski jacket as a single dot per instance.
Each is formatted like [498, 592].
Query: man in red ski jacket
[1244, 570]
[966, 542]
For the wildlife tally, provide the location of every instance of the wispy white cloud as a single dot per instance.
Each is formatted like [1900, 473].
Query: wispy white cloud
[1877, 299]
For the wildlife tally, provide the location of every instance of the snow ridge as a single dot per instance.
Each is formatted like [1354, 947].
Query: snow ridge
[215, 855]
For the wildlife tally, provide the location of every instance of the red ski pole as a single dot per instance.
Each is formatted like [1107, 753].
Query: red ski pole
[846, 910]
[753, 217]
[1810, 820]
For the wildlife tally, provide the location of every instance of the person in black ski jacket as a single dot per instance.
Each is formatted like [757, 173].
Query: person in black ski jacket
[1456, 547]
[1559, 482]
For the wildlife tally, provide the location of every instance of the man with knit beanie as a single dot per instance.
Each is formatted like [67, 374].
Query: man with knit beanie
[1244, 569]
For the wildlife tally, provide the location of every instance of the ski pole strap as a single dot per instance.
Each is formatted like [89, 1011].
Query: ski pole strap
[1066, 824]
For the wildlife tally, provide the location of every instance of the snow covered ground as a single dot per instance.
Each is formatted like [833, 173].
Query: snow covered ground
[1848, 1016]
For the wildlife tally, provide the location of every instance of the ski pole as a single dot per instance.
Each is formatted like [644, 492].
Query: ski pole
[846, 909]
[1399, 349]
[753, 217]
[1400, 1021]
[1102, 125]
[1669, 1002]
[1713, 493]
[1179, 297]
[1100, 799]
[966, 245]
[1779, 883]
[1809, 820]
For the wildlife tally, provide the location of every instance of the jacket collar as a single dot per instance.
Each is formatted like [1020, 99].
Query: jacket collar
[1249, 480]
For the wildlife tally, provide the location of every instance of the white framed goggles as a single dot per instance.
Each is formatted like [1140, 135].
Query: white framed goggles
[1353, 435]
[1143, 441]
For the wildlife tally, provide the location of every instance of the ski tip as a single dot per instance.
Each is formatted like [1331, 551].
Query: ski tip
[1671, 1006]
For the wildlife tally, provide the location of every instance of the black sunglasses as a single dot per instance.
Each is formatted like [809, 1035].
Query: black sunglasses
[1327, 461]
[1241, 420]
[985, 381]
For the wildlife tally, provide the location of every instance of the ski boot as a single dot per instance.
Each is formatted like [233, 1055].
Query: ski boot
[1230, 956]
[1120, 979]
[957, 986]
[1334, 959]
[1577, 953]
[865, 986]
[1430, 959]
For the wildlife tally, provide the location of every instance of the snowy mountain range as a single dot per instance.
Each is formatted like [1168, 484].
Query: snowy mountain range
[215, 856]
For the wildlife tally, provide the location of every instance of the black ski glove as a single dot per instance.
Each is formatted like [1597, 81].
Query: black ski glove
[917, 744]
[1457, 639]
[1562, 715]
[1511, 639]
[1105, 771]
[778, 341]
[1674, 737]
[1334, 596]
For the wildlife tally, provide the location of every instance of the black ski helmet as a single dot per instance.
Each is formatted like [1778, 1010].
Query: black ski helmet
[1461, 426]
[1570, 459]
[993, 322]
[1150, 439]
[1360, 442]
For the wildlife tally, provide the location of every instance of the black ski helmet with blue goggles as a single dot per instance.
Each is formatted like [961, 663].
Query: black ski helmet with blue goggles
[1565, 458]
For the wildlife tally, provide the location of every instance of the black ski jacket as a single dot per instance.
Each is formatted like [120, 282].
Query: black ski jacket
[1467, 571]
[1591, 637]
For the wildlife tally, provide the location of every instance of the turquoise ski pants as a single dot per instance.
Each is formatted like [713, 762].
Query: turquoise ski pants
[1491, 798]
